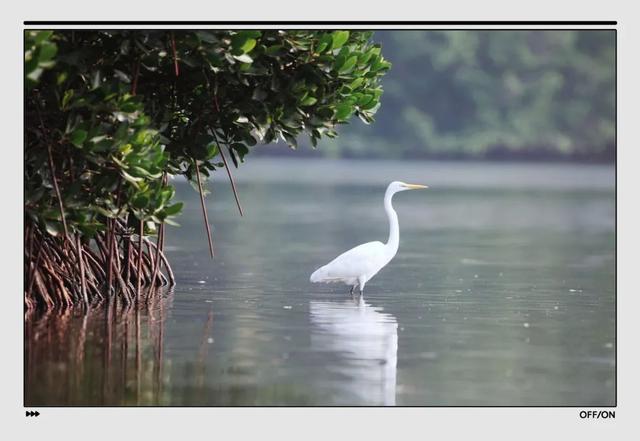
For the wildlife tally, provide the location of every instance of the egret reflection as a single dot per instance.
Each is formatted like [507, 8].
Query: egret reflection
[363, 342]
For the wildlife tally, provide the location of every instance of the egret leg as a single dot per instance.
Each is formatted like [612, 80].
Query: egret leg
[361, 282]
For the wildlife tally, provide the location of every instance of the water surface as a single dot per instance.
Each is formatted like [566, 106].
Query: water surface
[502, 293]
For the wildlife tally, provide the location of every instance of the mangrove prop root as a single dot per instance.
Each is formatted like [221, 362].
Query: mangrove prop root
[65, 271]
[233, 184]
[204, 208]
[140, 254]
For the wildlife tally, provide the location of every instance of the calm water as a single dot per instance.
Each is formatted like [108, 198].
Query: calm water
[502, 293]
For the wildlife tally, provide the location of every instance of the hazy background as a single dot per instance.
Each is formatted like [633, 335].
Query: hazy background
[527, 95]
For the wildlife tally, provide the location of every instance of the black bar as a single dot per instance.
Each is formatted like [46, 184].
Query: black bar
[288, 23]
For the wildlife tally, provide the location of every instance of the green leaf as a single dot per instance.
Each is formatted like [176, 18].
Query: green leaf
[242, 43]
[233, 158]
[244, 58]
[309, 101]
[364, 58]
[172, 223]
[348, 64]
[357, 83]
[146, 173]
[47, 52]
[272, 50]
[207, 36]
[375, 50]
[174, 209]
[41, 36]
[339, 61]
[365, 99]
[248, 45]
[95, 80]
[66, 98]
[34, 76]
[325, 43]
[289, 139]
[343, 111]
[78, 137]
[241, 150]
[252, 34]
[368, 105]
[134, 180]
[140, 201]
[212, 150]
[249, 139]
[339, 39]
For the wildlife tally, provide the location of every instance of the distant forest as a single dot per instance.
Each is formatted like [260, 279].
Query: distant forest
[488, 95]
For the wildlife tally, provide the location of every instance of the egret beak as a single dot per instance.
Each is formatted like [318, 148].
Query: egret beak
[414, 186]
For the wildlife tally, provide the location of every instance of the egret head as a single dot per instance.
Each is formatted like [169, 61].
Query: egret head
[397, 186]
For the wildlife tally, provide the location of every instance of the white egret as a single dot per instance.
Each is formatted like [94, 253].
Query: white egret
[358, 265]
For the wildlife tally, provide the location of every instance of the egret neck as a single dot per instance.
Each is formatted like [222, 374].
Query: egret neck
[394, 230]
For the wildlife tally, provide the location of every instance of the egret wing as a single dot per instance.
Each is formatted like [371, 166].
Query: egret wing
[358, 261]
